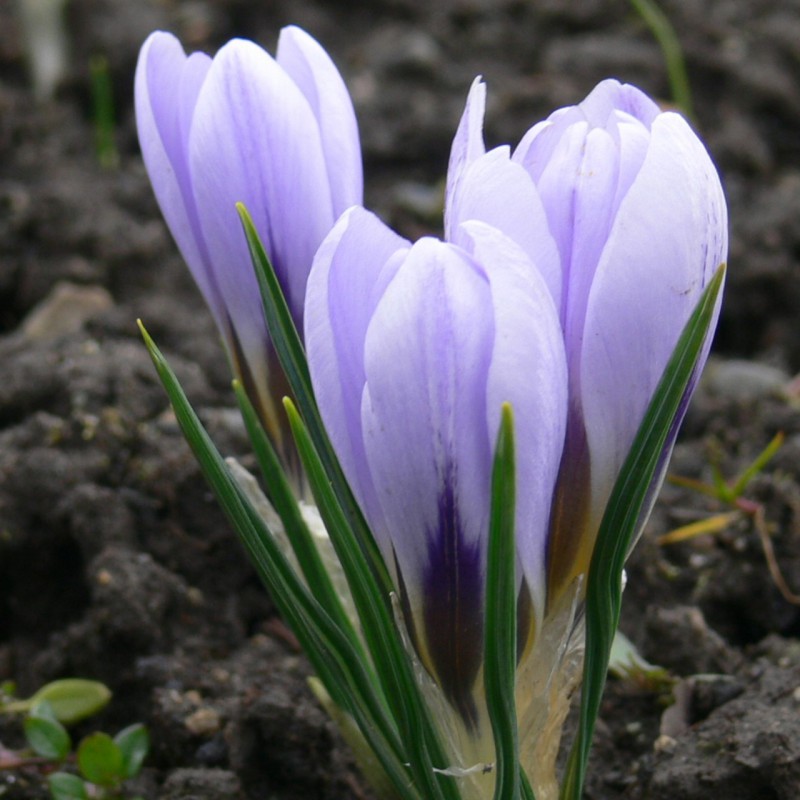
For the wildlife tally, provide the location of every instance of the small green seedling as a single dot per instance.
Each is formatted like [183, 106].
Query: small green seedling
[103, 112]
[71, 699]
[627, 663]
[730, 493]
[103, 763]
[667, 39]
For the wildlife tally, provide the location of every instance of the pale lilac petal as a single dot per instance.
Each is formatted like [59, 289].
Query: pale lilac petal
[669, 236]
[166, 88]
[529, 370]
[311, 68]
[427, 356]
[633, 139]
[538, 145]
[467, 147]
[351, 270]
[500, 192]
[610, 96]
[557, 191]
[255, 140]
[593, 187]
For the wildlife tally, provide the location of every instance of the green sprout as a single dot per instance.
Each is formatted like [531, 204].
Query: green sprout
[102, 763]
[627, 663]
[665, 35]
[103, 113]
[731, 493]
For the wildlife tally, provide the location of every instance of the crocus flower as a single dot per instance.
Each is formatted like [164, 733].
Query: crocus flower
[569, 269]
[278, 134]
[412, 351]
[622, 210]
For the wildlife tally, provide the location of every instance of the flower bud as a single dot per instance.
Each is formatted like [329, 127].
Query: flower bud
[277, 134]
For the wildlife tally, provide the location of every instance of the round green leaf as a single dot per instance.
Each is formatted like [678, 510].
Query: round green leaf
[133, 742]
[100, 760]
[73, 699]
[64, 786]
[47, 736]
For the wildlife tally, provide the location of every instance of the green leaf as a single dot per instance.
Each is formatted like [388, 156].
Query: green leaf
[285, 504]
[65, 786]
[73, 699]
[45, 734]
[291, 355]
[100, 760]
[500, 625]
[134, 744]
[392, 663]
[627, 663]
[668, 41]
[620, 523]
[370, 583]
[345, 677]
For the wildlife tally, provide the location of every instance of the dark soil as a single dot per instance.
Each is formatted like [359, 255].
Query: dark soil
[115, 562]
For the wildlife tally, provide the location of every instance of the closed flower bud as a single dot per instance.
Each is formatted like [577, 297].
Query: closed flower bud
[277, 134]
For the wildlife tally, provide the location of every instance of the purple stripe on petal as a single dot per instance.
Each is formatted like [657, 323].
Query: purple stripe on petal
[452, 593]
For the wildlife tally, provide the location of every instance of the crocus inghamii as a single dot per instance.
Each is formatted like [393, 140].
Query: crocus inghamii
[413, 350]
[622, 210]
[277, 134]
[569, 270]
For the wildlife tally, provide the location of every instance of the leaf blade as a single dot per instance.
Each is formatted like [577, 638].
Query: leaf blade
[500, 623]
[604, 585]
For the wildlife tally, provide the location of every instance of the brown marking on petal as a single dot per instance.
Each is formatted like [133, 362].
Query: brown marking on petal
[526, 622]
[570, 541]
[267, 402]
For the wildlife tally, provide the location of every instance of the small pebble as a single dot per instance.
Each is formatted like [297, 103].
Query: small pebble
[204, 722]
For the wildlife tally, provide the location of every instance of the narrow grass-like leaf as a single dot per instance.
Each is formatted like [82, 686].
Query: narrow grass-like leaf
[330, 651]
[356, 548]
[525, 787]
[285, 504]
[291, 355]
[500, 623]
[380, 631]
[667, 39]
[618, 527]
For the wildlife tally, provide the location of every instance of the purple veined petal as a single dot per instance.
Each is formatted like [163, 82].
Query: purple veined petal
[669, 236]
[633, 139]
[311, 68]
[557, 190]
[255, 140]
[351, 270]
[537, 146]
[166, 88]
[498, 191]
[427, 356]
[591, 216]
[529, 370]
[467, 147]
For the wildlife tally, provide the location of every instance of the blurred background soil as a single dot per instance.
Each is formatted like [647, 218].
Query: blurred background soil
[115, 562]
